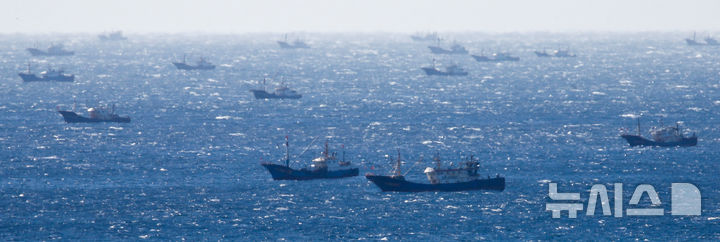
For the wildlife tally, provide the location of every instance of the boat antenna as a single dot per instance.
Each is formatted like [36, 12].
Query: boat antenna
[287, 151]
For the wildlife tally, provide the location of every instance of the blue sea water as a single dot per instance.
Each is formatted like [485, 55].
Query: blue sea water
[187, 166]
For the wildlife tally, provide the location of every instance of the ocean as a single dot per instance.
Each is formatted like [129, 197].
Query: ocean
[188, 165]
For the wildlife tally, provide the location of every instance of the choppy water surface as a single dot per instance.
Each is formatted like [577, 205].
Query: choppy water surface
[188, 164]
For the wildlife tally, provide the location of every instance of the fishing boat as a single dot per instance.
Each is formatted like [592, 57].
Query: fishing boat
[318, 170]
[662, 136]
[112, 36]
[201, 64]
[692, 42]
[53, 50]
[425, 37]
[97, 115]
[495, 57]
[451, 70]
[454, 49]
[563, 53]
[450, 179]
[57, 75]
[557, 53]
[543, 53]
[281, 92]
[297, 44]
[711, 41]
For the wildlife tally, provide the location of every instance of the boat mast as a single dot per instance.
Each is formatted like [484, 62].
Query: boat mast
[343, 154]
[638, 122]
[397, 165]
[287, 152]
[326, 150]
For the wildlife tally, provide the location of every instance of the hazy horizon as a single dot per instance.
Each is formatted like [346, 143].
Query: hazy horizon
[313, 16]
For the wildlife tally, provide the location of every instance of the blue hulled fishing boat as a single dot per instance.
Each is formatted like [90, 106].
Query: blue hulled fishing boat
[318, 170]
[663, 136]
[450, 179]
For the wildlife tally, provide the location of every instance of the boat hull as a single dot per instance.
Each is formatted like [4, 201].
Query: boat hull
[183, 66]
[542, 54]
[438, 50]
[390, 184]
[34, 78]
[636, 140]
[286, 45]
[487, 59]
[72, 117]
[433, 72]
[261, 94]
[38, 52]
[281, 172]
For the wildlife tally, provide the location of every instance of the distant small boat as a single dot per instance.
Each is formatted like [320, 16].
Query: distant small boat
[112, 36]
[454, 49]
[663, 136]
[49, 75]
[97, 115]
[426, 37]
[297, 44]
[495, 57]
[542, 53]
[54, 50]
[202, 64]
[282, 92]
[318, 170]
[692, 41]
[451, 70]
[710, 41]
[449, 179]
[558, 53]
[564, 53]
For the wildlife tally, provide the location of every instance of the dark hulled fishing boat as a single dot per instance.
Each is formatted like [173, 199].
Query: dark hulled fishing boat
[451, 70]
[318, 170]
[97, 115]
[441, 179]
[664, 136]
[297, 44]
[202, 64]
[282, 92]
[54, 50]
